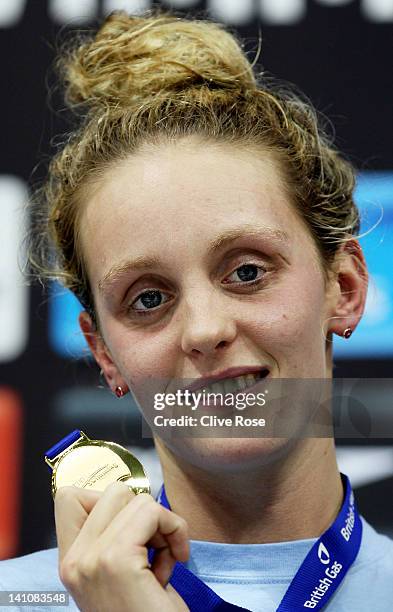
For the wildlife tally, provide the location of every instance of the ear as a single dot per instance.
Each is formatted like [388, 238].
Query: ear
[101, 352]
[349, 292]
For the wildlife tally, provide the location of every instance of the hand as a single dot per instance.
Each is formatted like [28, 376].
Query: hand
[103, 539]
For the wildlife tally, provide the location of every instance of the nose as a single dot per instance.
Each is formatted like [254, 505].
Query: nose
[207, 326]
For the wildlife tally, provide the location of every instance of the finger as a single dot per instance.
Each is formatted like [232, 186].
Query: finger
[72, 507]
[163, 564]
[112, 500]
[163, 560]
[142, 519]
[159, 542]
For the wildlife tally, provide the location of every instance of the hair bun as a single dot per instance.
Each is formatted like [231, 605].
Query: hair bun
[132, 57]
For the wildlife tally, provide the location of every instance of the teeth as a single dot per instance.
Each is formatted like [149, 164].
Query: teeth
[230, 385]
[241, 382]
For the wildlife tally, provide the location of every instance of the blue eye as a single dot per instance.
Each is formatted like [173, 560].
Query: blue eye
[149, 299]
[247, 272]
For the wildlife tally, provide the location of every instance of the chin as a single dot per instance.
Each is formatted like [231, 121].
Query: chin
[231, 454]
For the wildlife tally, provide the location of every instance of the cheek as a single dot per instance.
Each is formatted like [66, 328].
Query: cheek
[289, 324]
[139, 356]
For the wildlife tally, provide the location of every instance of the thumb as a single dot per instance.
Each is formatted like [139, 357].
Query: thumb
[72, 507]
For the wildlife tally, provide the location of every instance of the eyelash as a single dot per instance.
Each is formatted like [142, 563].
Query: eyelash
[149, 311]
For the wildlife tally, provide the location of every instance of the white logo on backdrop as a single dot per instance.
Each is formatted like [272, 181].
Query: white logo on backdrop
[234, 12]
[13, 289]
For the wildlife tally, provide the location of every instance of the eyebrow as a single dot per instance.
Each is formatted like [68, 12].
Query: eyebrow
[144, 263]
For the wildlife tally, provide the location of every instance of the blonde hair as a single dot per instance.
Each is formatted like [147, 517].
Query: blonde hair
[156, 77]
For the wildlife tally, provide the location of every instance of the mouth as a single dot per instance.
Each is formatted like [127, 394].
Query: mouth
[238, 383]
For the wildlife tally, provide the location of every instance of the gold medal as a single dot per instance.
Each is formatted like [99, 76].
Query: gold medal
[94, 464]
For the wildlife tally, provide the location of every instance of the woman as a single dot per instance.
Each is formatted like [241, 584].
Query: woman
[208, 227]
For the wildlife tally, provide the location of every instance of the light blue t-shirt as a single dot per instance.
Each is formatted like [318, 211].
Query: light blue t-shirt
[254, 576]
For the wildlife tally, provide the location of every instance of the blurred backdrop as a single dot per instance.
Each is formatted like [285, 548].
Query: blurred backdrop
[339, 53]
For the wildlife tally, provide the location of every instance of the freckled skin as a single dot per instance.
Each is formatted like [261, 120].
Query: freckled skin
[172, 201]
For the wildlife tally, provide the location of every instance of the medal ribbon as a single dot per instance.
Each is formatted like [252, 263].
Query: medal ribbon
[316, 580]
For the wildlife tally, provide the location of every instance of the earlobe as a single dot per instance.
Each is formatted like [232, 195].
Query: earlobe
[100, 352]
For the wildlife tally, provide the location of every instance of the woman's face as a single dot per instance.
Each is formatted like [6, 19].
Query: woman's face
[256, 297]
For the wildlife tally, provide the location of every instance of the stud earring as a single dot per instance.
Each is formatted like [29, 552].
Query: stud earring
[347, 333]
[119, 392]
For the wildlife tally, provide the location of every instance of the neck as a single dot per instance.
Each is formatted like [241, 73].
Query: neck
[295, 498]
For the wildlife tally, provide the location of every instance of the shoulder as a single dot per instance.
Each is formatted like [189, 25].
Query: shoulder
[36, 571]
[368, 584]
[376, 550]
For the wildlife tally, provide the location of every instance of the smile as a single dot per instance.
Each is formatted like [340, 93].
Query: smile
[236, 384]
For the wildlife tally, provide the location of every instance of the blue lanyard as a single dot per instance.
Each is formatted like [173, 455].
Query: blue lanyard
[318, 577]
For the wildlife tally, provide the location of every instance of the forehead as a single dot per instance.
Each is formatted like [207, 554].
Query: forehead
[177, 196]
